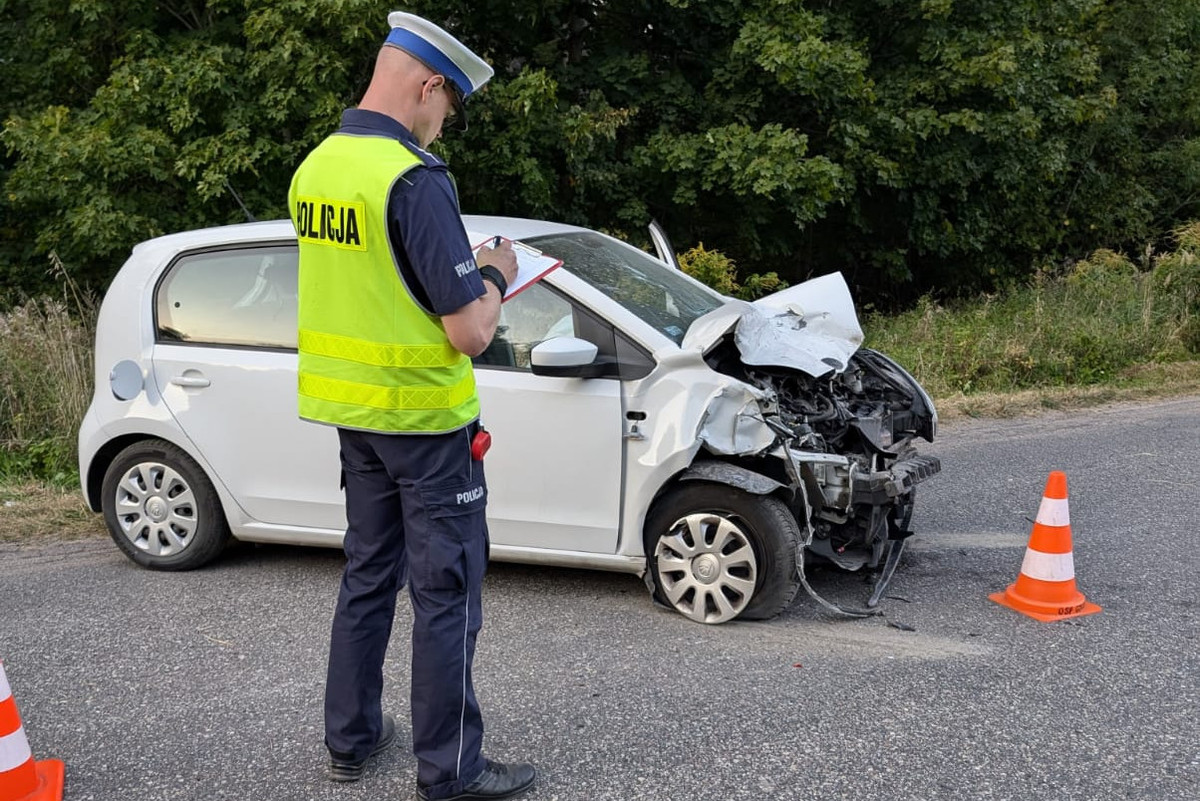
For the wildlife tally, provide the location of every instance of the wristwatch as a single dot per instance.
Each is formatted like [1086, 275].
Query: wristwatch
[489, 273]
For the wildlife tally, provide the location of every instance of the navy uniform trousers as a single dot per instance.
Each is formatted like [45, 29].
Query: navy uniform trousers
[415, 508]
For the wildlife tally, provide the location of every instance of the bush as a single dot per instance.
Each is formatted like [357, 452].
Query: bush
[1087, 324]
[1177, 276]
[1102, 267]
[718, 271]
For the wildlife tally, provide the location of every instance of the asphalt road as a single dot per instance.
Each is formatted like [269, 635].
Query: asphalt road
[207, 685]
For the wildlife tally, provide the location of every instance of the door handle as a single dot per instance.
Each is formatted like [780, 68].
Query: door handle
[191, 379]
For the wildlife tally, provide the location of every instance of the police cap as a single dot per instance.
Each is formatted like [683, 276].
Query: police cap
[464, 71]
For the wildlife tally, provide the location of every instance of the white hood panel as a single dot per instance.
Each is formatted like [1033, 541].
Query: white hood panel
[810, 327]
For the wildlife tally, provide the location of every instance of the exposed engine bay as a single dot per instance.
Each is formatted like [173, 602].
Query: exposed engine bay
[844, 439]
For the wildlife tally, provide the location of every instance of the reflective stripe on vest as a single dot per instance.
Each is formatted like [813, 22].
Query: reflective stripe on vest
[377, 353]
[369, 356]
[374, 396]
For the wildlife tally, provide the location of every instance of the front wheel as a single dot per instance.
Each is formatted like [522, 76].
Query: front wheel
[160, 508]
[717, 553]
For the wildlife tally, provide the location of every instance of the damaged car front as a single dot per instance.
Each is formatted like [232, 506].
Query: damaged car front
[799, 446]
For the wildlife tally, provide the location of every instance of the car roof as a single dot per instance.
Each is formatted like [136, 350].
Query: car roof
[267, 229]
[511, 227]
[516, 227]
[151, 254]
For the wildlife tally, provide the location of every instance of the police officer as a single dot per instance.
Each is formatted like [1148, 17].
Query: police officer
[392, 306]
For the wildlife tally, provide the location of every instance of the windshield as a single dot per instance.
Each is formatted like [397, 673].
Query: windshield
[658, 294]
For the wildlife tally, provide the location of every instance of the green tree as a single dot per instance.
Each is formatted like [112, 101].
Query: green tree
[916, 146]
[183, 105]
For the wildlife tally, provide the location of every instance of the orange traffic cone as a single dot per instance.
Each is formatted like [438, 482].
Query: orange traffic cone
[22, 779]
[1045, 589]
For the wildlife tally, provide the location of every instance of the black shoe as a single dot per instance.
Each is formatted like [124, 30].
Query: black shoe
[497, 781]
[342, 770]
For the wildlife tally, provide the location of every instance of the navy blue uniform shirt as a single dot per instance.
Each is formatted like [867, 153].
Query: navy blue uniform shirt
[433, 255]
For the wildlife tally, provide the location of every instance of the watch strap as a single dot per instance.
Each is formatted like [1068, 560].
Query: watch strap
[490, 273]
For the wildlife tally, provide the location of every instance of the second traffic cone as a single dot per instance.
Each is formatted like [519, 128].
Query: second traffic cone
[1045, 588]
[22, 779]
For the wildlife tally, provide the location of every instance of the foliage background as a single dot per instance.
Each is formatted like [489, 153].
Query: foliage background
[917, 146]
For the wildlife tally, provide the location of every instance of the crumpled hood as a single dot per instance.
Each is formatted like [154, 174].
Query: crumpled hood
[810, 327]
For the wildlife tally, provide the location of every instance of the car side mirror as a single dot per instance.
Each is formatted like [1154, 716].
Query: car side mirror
[565, 357]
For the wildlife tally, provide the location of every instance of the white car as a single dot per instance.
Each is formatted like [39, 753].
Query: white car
[641, 422]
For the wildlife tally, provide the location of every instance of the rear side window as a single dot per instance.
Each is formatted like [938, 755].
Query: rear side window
[230, 297]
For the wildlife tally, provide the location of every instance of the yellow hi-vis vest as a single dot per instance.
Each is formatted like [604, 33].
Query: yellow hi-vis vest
[370, 357]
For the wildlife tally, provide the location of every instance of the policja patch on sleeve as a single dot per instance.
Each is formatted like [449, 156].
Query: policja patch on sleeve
[324, 221]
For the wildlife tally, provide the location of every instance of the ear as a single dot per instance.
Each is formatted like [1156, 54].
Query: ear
[430, 86]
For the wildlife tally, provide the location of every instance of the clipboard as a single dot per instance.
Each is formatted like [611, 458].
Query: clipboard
[532, 265]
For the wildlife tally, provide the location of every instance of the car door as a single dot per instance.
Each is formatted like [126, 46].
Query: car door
[555, 469]
[225, 364]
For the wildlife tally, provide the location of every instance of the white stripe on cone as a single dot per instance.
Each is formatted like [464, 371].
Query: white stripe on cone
[1053, 512]
[1048, 566]
[5, 690]
[14, 751]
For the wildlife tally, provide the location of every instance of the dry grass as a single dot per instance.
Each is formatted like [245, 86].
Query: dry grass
[1142, 382]
[45, 381]
[31, 511]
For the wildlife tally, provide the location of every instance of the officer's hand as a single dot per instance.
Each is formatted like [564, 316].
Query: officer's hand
[502, 258]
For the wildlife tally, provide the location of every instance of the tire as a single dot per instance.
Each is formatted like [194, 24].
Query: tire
[696, 550]
[161, 509]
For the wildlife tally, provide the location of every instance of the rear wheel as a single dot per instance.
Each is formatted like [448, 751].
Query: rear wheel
[160, 508]
[717, 553]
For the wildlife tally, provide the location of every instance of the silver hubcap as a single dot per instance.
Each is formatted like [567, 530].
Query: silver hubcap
[156, 509]
[706, 567]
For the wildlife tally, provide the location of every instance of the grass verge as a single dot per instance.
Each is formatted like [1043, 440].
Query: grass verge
[1096, 323]
[1136, 383]
[36, 510]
